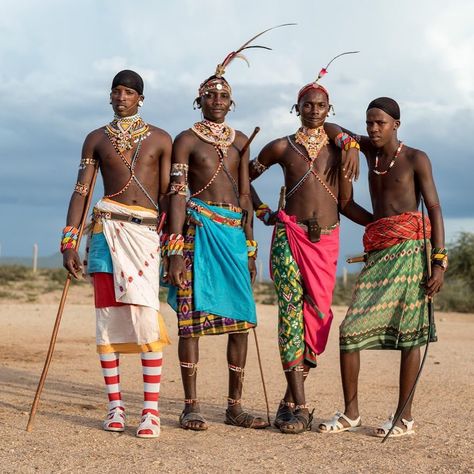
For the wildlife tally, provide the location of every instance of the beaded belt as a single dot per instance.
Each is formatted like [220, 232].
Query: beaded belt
[324, 230]
[214, 216]
[148, 221]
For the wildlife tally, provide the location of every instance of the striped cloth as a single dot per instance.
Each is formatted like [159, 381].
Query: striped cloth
[389, 309]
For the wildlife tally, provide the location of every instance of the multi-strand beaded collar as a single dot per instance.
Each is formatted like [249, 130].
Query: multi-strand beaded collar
[124, 132]
[218, 134]
[313, 140]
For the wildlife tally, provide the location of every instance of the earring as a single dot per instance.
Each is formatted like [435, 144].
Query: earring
[195, 104]
[232, 106]
[292, 108]
[110, 102]
[140, 103]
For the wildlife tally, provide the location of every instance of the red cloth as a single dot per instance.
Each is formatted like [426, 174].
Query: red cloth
[317, 262]
[104, 293]
[389, 231]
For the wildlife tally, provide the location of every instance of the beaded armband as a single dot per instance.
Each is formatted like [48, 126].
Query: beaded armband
[81, 189]
[175, 244]
[69, 238]
[439, 256]
[179, 188]
[85, 162]
[178, 170]
[252, 248]
[263, 212]
[258, 167]
[164, 245]
[345, 142]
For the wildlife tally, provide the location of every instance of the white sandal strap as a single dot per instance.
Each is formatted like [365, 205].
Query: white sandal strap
[408, 424]
[397, 430]
[149, 422]
[116, 415]
[335, 425]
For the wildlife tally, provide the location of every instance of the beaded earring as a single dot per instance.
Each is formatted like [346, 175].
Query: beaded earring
[140, 103]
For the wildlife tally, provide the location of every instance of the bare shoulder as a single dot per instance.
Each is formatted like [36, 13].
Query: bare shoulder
[416, 157]
[240, 139]
[276, 147]
[160, 133]
[185, 142]
[95, 136]
[185, 137]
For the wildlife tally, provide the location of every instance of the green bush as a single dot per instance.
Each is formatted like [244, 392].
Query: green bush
[10, 273]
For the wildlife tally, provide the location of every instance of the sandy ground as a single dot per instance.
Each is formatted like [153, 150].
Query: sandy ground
[67, 436]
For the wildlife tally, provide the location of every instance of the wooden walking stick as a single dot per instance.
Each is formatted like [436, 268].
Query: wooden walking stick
[52, 342]
[261, 375]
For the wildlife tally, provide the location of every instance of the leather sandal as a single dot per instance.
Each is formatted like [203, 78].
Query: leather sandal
[284, 413]
[186, 418]
[245, 420]
[299, 423]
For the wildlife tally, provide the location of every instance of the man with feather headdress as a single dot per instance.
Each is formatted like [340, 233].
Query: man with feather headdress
[211, 251]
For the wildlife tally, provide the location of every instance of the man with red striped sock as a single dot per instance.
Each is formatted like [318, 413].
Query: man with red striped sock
[124, 246]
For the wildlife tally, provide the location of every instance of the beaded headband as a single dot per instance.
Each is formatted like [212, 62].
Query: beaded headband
[217, 82]
[322, 72]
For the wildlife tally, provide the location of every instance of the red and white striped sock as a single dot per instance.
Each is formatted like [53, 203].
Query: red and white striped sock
[151, 365]
[110, 369]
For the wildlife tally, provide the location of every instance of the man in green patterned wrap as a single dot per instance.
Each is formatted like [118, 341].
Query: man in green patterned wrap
[389, 308]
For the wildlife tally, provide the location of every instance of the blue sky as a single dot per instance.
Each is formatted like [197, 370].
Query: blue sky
[57, 59]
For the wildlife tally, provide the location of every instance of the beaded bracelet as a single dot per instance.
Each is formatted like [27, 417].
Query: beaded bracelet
[164, 245]
[178, 188]
[345, 142]
[175, 244]
[438, 253]
[69, 238]
[263, 212]
[252, 248]
[439, 256]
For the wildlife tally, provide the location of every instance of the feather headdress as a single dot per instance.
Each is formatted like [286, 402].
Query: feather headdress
[322, 73]
[217, 79]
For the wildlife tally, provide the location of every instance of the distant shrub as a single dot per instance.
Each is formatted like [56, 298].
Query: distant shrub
[10, 273]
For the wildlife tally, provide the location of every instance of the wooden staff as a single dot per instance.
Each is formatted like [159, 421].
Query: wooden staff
[54, 334]
[263, 378]
[244, 149]
[357, 259]
[249, 141]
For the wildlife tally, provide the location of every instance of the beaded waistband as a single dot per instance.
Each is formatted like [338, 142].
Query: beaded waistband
[214, 216]
[324, 230]
[224, 205]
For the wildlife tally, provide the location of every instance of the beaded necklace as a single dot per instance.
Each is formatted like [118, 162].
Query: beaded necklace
[221, 136]
[311, 170]
[123, 132]
[136, 131]
[218, 134]
[313, 139]
[376, 171]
